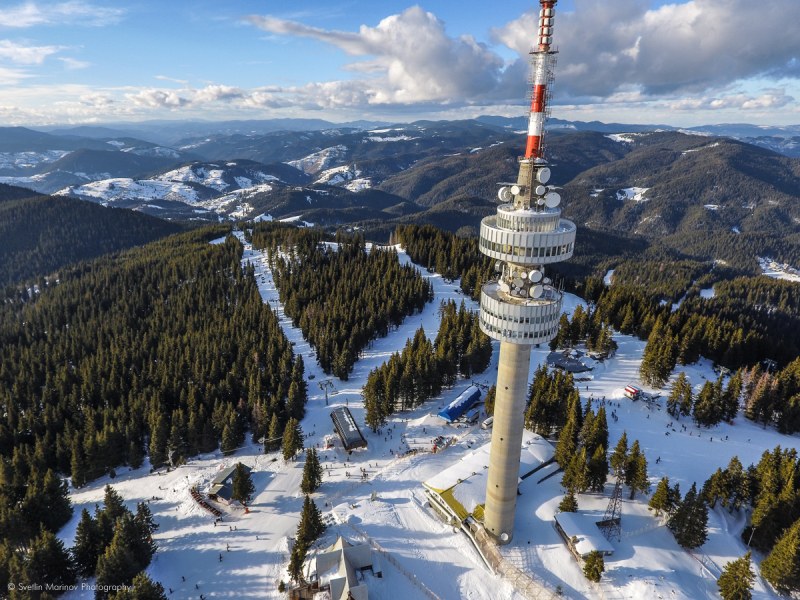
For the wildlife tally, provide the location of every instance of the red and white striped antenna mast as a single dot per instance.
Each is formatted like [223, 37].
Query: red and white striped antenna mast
[542, 75]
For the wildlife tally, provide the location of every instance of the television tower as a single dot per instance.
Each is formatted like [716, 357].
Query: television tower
[521, 308]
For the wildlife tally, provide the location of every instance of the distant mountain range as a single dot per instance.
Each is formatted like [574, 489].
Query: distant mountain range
[655, 182]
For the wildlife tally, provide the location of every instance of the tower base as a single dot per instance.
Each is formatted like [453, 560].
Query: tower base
[509, 421]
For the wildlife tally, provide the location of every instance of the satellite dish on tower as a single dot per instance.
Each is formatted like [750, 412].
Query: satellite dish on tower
[523, 275]
[516, 190]
[552, 199]
[535, 275]
[543, 175]
[540, 201]
[540, 190]
[537, 291]
[504, 287]
[546, 280]
[504, 194]
[498, 266]
[518, 282]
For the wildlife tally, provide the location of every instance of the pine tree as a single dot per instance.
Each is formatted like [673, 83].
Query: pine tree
[707, 410]
[677, 396]
[48, 562]
[242, 485]
[113, 504]
[620, 456]
[273, 441]
[116, 566]
[489, 400]
[87, 545]
[142, 588]
[158, 442]
[296, 560]
[736, 581]
[144, 518]
[54, 496]
[636, 471]
[137, 538]
[576, 475]
[78, 465]
[659, 502]
[567, 442]
[312, 472]
[598, 470]
[310, 526]
[292, 439]
[229, 443]
[689, 522]
[730, 399]
[782, 566]
[568, 503]
[593, 566]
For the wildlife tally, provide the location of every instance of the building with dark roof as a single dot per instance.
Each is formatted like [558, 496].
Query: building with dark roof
[347, 428]
[221, 488]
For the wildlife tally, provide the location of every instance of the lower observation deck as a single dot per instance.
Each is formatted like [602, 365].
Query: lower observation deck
[519, 321]
[527, 247]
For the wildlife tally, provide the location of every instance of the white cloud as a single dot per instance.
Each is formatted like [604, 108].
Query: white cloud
[153, 98]
[25, 55]
[74, 12]
[410, 59]
[686, 47]
[12, 76]
[770, 99]
[73, 64]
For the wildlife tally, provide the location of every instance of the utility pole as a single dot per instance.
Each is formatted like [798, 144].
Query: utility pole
[324, 386]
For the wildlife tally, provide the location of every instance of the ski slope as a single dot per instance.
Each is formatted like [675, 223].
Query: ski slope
[245, 556]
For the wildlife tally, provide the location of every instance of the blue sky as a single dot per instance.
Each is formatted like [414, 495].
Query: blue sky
[636, 61]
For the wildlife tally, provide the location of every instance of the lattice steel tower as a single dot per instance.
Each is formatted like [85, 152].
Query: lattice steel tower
[521, 308]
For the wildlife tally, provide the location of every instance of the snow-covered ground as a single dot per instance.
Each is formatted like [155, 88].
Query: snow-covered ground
[623, 138]
[318, 161]
[30, 159]
[772, 268]
[124, 188]
[632, 193]
[245, 556]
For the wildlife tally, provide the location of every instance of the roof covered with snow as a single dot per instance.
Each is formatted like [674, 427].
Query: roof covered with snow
[463, 485]
[584, 528]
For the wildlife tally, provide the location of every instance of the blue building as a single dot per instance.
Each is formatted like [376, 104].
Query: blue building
[458, 407]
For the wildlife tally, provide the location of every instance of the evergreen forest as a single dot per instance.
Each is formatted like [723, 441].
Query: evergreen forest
[341, 297]
[42, 234]
[165, 351]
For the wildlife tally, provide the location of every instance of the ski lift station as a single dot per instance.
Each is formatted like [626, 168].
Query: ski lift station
[347, 428]
[460, 407]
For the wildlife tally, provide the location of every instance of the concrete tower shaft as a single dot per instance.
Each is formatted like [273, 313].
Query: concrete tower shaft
[521, 308]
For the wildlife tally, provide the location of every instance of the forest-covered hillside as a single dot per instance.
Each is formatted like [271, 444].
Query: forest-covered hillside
[165, 350]
[42, 234]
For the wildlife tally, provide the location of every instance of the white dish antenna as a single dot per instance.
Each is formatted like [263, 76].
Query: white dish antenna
[518, 282]
[546, 280]
[540, 190]
[516, 190]
[543, 175]
[504, 287]
[498, 266]
[552, 199]
[537, 291]
[504, 194]
[524, 274]
[540, 201]
[535, 275]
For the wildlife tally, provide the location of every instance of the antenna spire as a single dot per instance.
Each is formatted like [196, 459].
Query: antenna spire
[542, 75]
